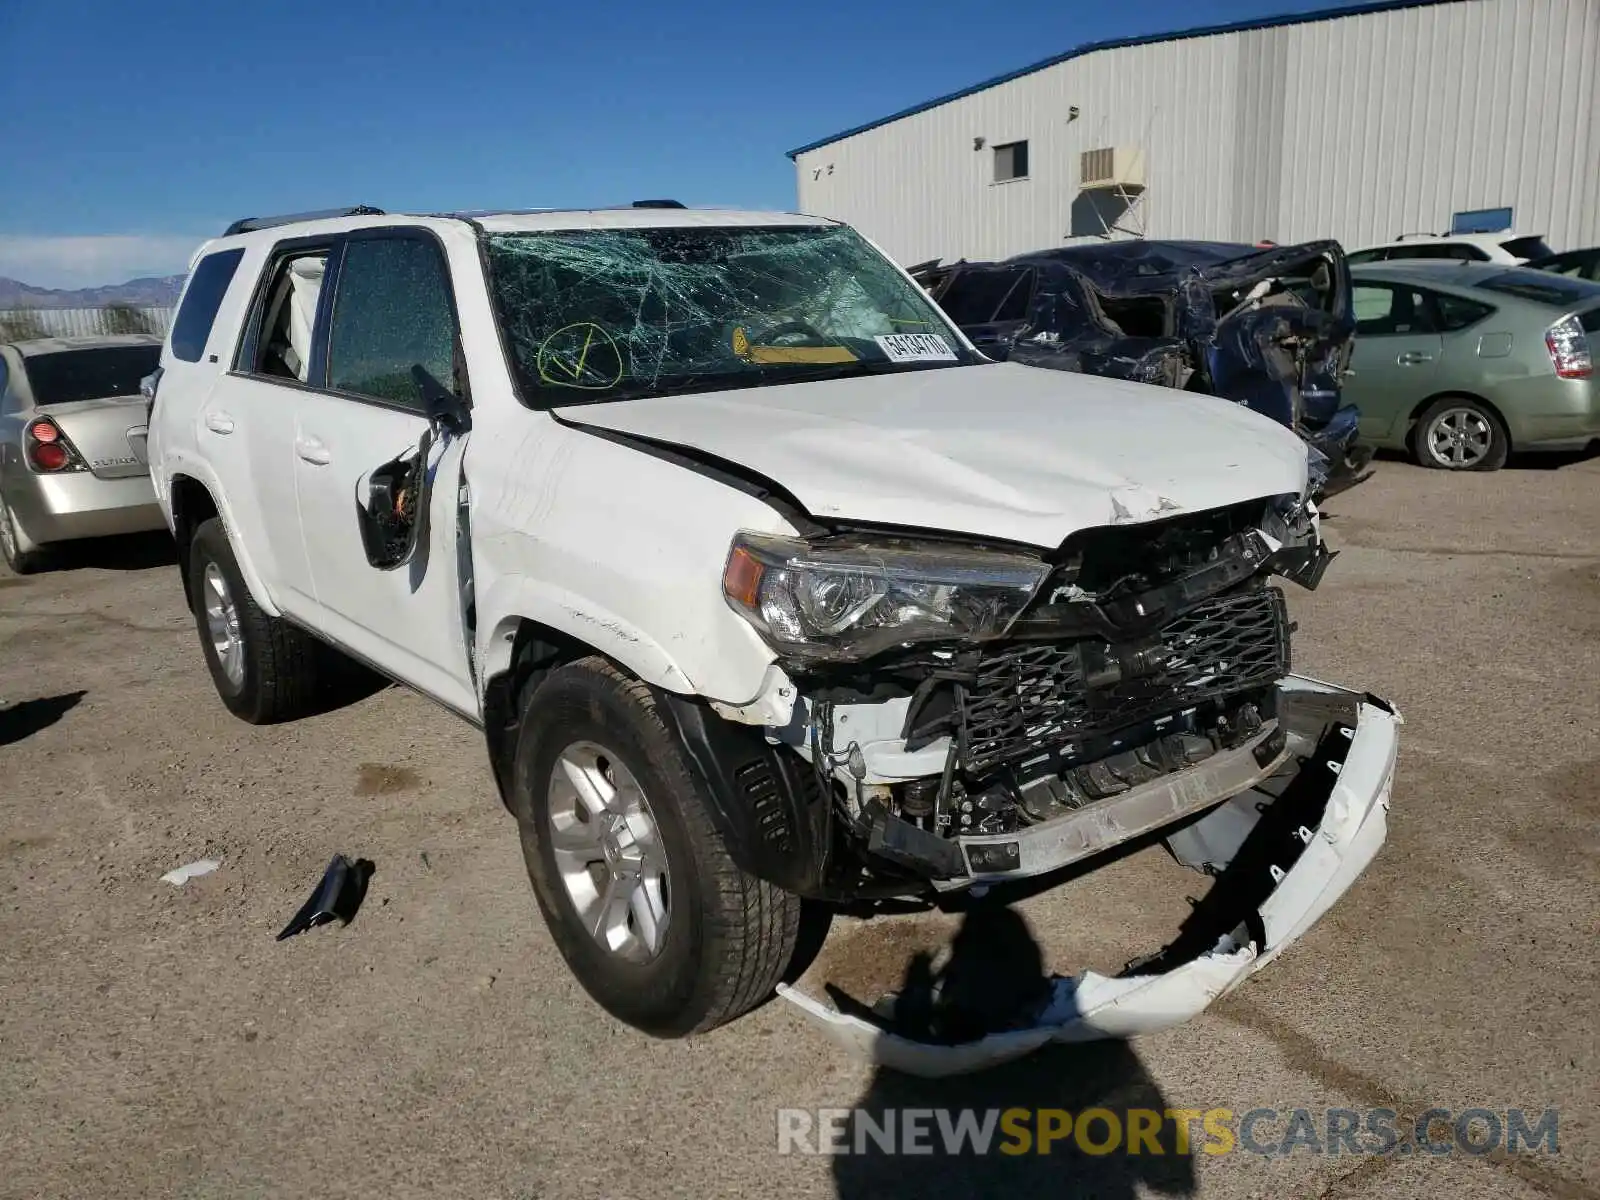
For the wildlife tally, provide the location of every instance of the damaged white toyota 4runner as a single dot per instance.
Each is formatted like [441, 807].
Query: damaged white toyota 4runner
[762, 584]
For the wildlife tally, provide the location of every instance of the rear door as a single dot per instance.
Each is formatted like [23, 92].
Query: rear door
[246, 425]
[1395, 358]
[392, 310]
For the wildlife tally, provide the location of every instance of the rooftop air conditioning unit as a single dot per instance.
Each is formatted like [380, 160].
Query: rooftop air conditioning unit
[1117, 168]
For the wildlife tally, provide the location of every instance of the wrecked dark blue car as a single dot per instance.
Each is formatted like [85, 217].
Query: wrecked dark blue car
[1268, 327]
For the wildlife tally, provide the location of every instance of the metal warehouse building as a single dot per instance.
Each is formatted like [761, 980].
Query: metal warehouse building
[1361, 123]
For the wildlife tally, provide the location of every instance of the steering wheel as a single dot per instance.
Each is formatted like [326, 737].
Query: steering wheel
[766, 336]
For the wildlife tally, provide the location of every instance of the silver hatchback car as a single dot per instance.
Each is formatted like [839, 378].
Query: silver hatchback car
[72, 443]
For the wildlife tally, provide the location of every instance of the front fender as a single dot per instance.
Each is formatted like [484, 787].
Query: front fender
[512, 599]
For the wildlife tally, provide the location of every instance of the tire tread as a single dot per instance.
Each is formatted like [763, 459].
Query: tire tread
[750, 926]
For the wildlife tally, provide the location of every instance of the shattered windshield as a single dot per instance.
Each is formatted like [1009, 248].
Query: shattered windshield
[615, 314]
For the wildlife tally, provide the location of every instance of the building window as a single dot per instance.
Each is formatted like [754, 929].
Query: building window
[1011, 161]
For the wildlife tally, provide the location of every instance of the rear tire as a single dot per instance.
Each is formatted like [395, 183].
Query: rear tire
[714, 941]
[265, 670]
[1456, 433]
[21, 553]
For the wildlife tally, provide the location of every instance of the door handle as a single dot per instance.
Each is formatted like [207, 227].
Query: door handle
[312, 451]
[219, 422]
[1412, 357]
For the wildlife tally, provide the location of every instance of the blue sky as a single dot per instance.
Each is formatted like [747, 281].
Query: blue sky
[134, 131]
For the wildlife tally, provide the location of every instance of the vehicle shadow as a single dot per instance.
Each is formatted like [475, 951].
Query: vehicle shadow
[1518, 460]
[129, 552]
[992, 977]
[23, 720]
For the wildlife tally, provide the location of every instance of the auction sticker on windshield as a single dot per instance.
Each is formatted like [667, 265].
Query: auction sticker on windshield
[915, 347]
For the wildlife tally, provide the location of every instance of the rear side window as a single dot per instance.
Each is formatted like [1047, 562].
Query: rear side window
[978, 297]
[391, 311]
[1461, 251]
[1386, 309]
[1527, 247]
[1365, 256]
[281, 346]
[1454, 313]
[69, 375]
[1590, 320]
[198, 312]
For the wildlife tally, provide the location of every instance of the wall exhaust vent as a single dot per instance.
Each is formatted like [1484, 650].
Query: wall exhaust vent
[1113, 168]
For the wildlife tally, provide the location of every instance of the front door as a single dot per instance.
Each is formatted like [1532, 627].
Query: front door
[1395, 359]
[392, 311]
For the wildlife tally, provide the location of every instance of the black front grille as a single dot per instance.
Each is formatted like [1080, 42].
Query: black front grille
[1032, 696]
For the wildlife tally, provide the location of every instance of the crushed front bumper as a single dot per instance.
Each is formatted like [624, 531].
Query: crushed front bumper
[1346, 772]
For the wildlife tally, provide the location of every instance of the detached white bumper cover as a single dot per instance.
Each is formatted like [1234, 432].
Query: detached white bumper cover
[1088, 1006]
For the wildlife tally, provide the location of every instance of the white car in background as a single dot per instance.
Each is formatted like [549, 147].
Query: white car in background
[763, 585]
[1506, 247]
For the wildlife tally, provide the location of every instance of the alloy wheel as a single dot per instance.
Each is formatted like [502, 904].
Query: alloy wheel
[222, 624]
[1459, 438]
[608, 852]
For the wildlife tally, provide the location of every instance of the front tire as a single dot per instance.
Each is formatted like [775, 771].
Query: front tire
[1459, 434]
[264, 669]
[654, 918]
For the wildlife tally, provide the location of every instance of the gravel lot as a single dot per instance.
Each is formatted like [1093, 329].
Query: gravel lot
[157, 1040]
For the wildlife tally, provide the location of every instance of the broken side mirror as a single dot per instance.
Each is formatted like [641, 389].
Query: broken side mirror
[446, 411]
[394, 511]
[394, 514]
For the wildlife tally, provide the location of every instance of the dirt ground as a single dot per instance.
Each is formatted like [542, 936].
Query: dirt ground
[157, 1041]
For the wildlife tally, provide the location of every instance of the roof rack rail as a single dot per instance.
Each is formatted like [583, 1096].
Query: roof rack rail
[251, 224]
[658, 204]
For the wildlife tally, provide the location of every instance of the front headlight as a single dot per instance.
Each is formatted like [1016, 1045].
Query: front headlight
[846, 600]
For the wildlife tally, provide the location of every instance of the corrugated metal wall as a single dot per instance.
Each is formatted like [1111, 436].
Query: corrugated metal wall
[1359, 128]
[16, 323]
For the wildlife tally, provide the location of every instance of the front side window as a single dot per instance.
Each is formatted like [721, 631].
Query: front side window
[392, 312]
[1578, 266]
[282, 349]
[1384, 309]
[67, 375]
[617, 314]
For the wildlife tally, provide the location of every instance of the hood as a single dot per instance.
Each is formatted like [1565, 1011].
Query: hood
[1000, 451]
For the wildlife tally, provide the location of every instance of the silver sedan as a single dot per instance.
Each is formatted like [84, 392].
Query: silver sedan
[72, 438]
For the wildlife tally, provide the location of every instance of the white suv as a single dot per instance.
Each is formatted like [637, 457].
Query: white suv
[1505, 247]
[761, 583]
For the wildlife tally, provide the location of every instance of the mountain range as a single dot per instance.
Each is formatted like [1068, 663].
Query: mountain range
[150, 291]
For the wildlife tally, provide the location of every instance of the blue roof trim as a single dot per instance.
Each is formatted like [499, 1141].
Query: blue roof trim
[1325, 14]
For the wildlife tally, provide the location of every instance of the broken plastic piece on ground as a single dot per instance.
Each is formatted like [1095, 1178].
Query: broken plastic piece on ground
[179, 876]
[339, 894]
[1175, 986]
